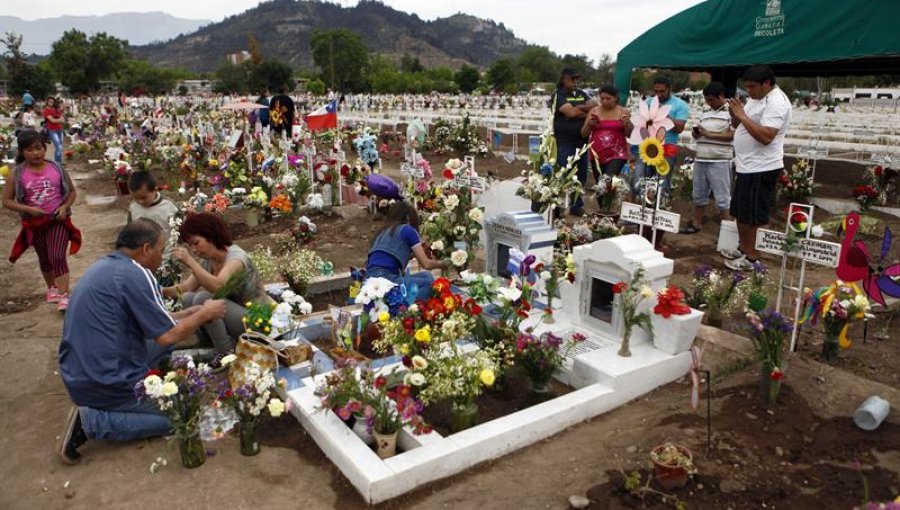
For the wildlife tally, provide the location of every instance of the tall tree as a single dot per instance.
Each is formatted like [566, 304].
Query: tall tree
[256, 56]
[270, 75]
[410, 64]
[231, 78]
[23, 76]
[467, 78]
[606, 70]
[502, 74]
[342, 58]
[543, 63]
[583, 65]
[80, 63]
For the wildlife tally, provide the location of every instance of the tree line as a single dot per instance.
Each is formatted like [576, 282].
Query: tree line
[342, 63]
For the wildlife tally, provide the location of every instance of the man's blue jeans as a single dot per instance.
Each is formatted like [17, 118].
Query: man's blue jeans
[563, 151]
[57, 138]
[133, 420]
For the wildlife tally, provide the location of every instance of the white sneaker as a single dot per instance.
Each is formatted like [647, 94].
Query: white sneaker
[739, 264]
[732, 254]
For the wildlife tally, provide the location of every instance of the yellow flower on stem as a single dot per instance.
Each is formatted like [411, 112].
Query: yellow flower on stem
[383, 317]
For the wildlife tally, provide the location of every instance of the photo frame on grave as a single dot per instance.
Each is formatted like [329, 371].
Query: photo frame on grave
[470, 164]
[599, 308]
[502, 256]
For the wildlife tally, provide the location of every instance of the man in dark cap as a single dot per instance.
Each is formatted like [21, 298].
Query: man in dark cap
[570, 107]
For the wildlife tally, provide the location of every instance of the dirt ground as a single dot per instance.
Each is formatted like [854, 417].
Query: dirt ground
[799, 453]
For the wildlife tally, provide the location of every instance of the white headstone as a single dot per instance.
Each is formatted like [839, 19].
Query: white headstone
[602, 264]
[523, 230]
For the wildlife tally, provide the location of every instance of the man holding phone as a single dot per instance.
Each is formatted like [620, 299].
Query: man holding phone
[760, 128]
[712, 163]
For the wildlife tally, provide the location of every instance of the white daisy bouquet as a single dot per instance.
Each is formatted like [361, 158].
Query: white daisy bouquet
[453, 227]
[253, 397]
[548, 186]
[179, 394]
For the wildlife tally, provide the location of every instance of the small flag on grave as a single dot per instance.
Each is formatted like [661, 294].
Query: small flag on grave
[322, 118]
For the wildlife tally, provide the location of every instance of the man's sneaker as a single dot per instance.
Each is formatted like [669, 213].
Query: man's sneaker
[72, 438]
[53, 295]
[739, 264]
[732, 254]
[63, 304]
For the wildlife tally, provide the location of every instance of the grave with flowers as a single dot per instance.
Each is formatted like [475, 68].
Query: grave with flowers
[445, 349]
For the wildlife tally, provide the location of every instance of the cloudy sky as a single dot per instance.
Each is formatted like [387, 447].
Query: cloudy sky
[591, 27]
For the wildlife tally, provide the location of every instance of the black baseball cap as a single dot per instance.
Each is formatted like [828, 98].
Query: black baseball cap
[571, 72]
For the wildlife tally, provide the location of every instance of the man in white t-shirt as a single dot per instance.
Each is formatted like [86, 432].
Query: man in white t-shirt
[760, 127]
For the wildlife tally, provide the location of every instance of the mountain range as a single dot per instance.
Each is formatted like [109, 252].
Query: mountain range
[137, 28]
[283, 29]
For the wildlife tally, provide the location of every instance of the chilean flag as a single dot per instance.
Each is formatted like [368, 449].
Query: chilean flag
[322, 118]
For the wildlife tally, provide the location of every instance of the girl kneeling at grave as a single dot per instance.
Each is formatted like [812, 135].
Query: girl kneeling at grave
[395, 244]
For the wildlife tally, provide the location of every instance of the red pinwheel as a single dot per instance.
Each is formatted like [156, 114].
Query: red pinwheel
[855, 263]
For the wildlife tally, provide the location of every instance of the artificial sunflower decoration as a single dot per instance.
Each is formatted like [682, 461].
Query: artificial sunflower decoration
[653, 154]
[663, 168]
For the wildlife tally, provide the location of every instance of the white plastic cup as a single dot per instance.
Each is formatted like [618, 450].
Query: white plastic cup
[871, 413]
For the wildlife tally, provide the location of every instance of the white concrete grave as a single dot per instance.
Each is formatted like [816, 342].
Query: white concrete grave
[602, 381]
[524, 230]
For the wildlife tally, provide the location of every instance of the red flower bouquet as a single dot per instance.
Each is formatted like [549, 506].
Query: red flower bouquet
[670, 301]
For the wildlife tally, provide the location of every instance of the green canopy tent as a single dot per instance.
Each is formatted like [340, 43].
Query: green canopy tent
[795, 37]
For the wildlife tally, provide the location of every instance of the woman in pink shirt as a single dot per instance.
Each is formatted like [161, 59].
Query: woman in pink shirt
[607, 125]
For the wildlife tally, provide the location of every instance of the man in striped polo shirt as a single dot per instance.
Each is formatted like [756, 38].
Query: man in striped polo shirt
[712, 164]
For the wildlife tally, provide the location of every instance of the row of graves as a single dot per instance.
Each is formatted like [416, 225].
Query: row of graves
[556, 331]
[399, 391]
[586, 322]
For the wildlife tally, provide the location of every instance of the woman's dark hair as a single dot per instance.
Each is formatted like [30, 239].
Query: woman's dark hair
[760, 74]
[401, 213]
[26, 140]
[610, 90]
[140, 180]
[138, 233]
[208, 226]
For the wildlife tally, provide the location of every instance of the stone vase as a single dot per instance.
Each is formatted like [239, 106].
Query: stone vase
[359, 428]
[675, 334]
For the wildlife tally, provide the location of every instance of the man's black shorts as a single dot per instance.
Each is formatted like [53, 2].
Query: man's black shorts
[754, 196]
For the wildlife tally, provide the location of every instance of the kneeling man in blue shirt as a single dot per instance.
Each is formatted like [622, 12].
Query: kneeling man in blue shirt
[116, 329]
